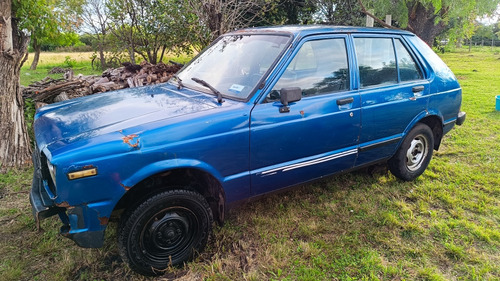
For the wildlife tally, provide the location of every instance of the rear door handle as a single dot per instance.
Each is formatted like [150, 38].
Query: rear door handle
[417, 89]
[345, 101]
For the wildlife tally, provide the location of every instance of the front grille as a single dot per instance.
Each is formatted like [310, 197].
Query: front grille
[41, 168]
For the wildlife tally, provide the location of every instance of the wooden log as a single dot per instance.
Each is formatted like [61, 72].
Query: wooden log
[102, 80]
[140, 82]
[39, 104]
[61, 97]
[68, 75]
[130, 82]
[151, 78]
[54, 90]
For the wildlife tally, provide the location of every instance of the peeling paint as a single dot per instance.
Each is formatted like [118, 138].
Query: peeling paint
[63, 204]
[104, 220]
[127, 188]
[130, 140]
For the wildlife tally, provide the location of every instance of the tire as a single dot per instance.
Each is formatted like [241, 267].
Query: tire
[414, 154]
[167, 229]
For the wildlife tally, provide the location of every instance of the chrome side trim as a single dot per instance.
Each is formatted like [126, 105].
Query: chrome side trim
[310, 162]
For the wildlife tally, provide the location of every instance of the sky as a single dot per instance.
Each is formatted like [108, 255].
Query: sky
[490, 20]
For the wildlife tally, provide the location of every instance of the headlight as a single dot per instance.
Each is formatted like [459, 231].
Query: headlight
[52, 171]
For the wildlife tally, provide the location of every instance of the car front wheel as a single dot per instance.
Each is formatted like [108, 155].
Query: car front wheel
[414, 154]
[167, 229]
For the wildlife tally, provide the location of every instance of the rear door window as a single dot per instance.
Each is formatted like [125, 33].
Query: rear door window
[376, 61]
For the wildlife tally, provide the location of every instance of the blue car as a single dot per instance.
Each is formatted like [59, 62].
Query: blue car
[259, 110]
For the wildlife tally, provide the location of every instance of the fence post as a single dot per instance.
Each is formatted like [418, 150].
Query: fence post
[369, 20]
[388, 19]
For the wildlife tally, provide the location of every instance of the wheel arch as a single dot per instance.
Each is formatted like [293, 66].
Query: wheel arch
[436, 124]
[167, 178]
[432, 119]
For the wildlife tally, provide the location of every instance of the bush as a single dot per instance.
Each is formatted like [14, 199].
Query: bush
[69, 62]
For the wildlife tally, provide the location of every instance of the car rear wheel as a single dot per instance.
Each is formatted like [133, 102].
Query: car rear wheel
[167, 229]
[414, 154]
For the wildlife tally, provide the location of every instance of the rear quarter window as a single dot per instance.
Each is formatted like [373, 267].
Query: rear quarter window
[433, 60]
[408, 69]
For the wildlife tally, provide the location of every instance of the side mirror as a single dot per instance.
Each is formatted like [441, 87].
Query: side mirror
[288, 95]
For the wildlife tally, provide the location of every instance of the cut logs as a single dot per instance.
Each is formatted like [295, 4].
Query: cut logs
[51, 90]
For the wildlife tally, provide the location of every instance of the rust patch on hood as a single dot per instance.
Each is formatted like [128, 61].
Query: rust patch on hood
[131, 140]
[104, 220]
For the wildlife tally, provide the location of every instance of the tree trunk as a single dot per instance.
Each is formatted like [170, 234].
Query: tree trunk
[421, 21]
[101, 54]
[131, 54]
[38, 48]
[15, 149]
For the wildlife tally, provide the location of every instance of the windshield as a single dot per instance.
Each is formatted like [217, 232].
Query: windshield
[234, 64]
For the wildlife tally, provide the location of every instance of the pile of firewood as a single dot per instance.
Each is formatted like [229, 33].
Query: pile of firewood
[128, 76]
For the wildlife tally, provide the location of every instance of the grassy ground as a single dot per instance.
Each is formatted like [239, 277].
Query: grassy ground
[79, 62]
[364, 225]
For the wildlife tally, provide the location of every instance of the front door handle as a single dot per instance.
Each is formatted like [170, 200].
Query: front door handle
[345, 101]
[417, 89]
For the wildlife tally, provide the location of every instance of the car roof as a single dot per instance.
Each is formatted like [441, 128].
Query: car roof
[304, 30]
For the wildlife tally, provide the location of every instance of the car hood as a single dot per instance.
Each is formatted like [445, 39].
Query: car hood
[62, 123]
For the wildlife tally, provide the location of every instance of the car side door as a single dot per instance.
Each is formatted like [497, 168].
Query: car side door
[315, 136]
[393, 93]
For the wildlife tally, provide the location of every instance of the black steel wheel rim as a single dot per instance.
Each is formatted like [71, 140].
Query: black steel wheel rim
[168, 236]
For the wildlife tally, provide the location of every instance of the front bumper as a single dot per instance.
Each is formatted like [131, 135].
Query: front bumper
[72, 217]
[41, 205]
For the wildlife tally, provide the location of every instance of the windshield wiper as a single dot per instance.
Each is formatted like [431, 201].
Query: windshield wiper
[179, 82]
[205, 83]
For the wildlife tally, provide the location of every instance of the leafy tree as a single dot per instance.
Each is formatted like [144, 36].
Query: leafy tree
[208, 19]
[288, 12]
[45, 21]
[148, 28]
[97, 25]
[430, 18]
[338, 12]
[39, 21]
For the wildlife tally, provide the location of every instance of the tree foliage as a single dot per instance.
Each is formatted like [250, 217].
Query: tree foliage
[338, 12]
[47, 21]
[430, 18]
[149, 28]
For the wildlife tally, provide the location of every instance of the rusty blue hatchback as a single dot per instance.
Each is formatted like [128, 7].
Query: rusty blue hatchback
[257, 111]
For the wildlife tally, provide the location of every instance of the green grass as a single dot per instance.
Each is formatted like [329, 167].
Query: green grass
[79, 62]
[364, 225]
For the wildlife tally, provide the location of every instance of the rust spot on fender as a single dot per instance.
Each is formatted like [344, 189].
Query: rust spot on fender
[127, 188]
[131, 140]
[104, 220]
